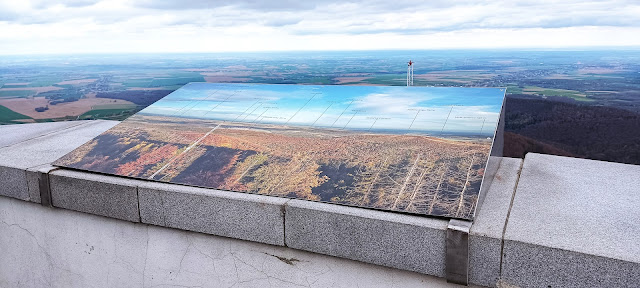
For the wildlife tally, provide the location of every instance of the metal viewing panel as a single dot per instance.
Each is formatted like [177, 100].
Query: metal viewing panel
[420, 150]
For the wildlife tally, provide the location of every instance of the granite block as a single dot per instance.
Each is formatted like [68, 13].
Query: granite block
[492, 214]
[586, 209]
[395, 240]
[13, 134]
[13, 183]
[32, 145]
[490, 170]
[97, 194]
[237, 215]
[49, 147]
[528, 265]
[485, 239]
[484, 260]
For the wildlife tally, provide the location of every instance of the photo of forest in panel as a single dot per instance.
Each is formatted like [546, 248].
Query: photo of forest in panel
[425, 171]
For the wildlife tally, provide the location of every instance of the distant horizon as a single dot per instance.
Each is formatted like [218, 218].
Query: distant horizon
[524, 49]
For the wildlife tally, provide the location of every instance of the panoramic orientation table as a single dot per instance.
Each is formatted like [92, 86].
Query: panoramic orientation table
[418, 150]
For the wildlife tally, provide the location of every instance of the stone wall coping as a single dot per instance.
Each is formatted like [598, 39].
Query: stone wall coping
[510, 226]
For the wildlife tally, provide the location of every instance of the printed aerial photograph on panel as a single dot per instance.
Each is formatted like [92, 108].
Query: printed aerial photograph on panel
[420, 150]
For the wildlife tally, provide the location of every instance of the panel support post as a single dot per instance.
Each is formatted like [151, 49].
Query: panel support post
[457, 254]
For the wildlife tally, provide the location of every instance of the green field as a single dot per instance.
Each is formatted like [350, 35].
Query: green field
[118, 113]
[514, 90]
[161, 82]
[576, 95]
[17, 93]
[137, 82]
[43, 81]
[172, 87]
[65, 86]
[321, 80]
[387, 79]
[12, 86]
[125, 106]
[184, 74]
[444, 82]
[7, 116]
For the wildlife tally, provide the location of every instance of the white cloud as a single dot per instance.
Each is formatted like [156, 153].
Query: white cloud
[382, 103]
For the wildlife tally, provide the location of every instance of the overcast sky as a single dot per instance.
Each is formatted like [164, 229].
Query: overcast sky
[93, 26]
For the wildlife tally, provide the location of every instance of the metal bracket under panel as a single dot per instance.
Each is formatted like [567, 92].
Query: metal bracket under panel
[457, 254]
[45, 190]
[44, 184]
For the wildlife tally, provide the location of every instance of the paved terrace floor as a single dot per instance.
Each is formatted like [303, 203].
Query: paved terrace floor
[547, 221]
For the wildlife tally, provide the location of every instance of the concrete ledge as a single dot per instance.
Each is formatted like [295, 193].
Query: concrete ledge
[574, 223]
[43, 247]
[237, 215]
[47, 148]
[108, 196]
[32, 145]
[17, 133]
[389, 239]
[485, 237]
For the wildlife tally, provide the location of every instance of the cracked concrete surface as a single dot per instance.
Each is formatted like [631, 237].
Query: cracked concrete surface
[63, 248]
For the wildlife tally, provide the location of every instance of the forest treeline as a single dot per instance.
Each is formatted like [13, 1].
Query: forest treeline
[139, 97]
[571, 129]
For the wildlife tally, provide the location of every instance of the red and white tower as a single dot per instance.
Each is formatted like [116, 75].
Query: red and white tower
[410, 74]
